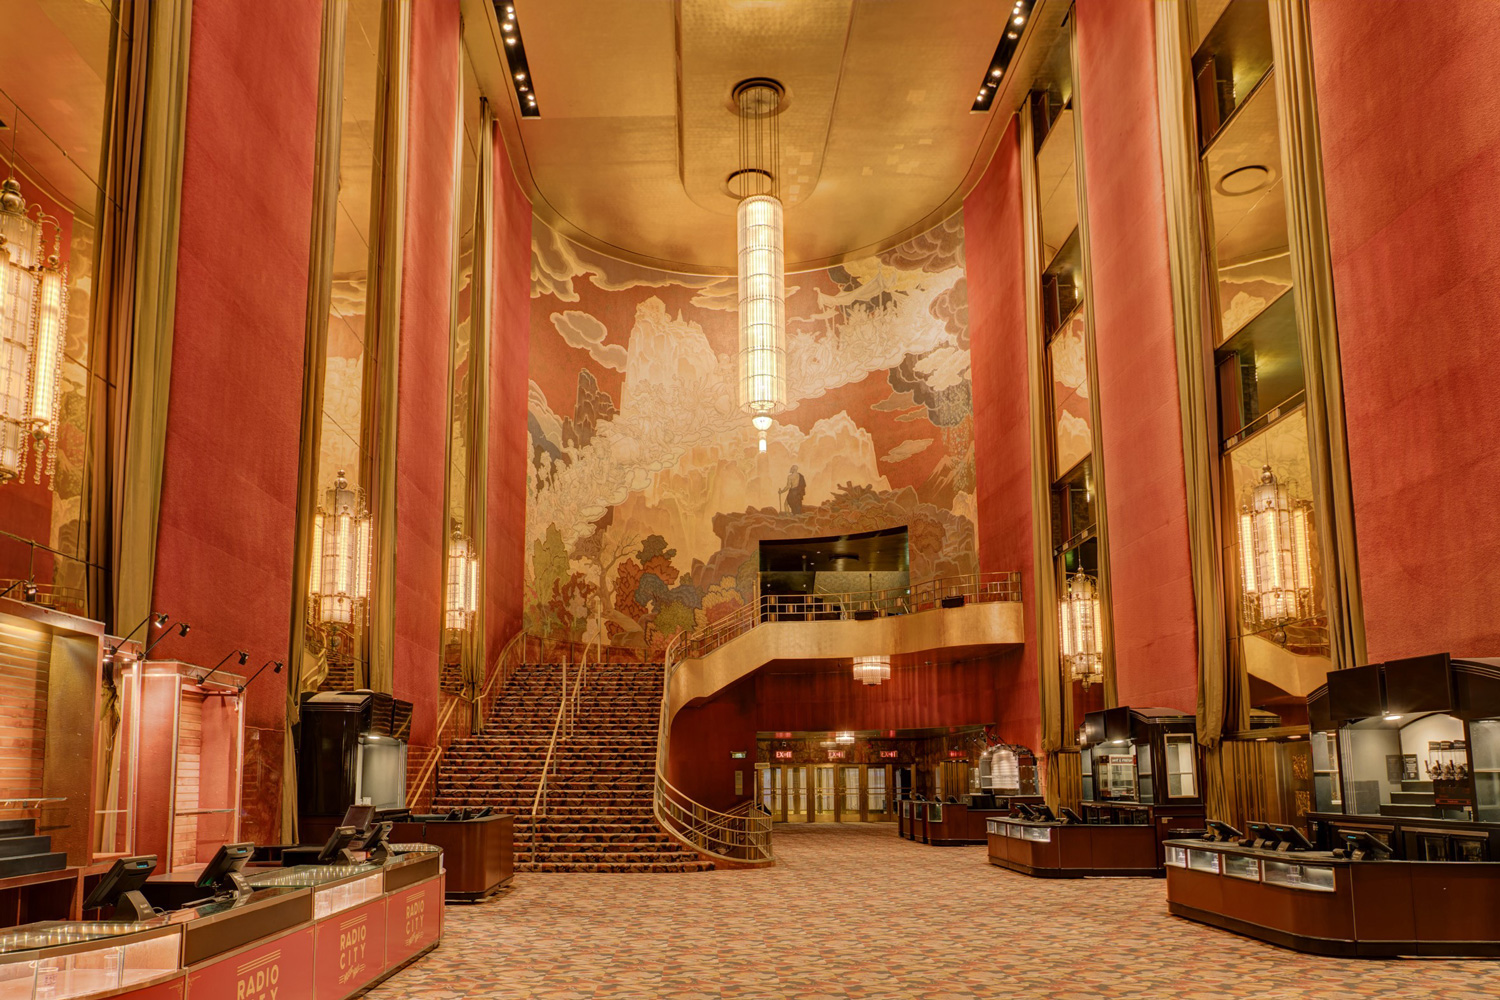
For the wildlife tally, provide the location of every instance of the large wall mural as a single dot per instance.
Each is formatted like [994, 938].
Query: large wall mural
[647, 495]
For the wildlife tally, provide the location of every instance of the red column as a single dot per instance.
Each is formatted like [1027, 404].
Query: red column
[996, 278]
[1140, 434]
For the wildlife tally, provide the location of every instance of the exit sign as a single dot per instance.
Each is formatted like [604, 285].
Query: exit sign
[783, 755]
[738, 754]
[890, 754]
[958, 753]
[836, 755]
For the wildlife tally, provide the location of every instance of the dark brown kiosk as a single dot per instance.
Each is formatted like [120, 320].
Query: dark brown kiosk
[1140, 769]
[1007, 777]
[1403, 856]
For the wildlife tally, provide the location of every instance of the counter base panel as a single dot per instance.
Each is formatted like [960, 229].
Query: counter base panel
[1335, 947]
[1025, 869]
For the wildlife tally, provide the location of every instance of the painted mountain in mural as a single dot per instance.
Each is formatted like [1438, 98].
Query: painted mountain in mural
[648, 496]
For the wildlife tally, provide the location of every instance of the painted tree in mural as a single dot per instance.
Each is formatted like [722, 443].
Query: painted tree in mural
[648, 496]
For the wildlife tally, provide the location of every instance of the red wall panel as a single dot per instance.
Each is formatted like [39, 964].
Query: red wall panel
[819, 697]
[1155, 635]
[422, 418]
[510, 447]
[1407, 106]
[229, 481]
[995, 272]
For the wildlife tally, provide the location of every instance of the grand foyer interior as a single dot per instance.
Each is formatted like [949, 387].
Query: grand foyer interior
[729, 444]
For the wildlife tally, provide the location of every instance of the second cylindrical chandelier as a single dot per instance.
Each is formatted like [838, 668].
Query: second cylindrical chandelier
[761, 258]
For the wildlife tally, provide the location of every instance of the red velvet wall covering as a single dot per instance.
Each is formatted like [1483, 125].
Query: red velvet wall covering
[422, 418]
[818, 698]
[1407, 107]
[1155, 637]
[229, 482]
[995, 272]
[509, 445]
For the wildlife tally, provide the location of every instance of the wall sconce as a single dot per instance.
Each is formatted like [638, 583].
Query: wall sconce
[340, 585]
[870, 670]
[1275, 554]
[33, 318]
[1078, 619]
[463, 584]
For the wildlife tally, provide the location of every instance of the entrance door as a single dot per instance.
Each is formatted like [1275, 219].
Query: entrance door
[825, 794]
[875, 796]
[849, 794]
[795, 787]
[772, 792]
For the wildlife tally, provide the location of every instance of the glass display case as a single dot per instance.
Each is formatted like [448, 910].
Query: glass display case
[1005, 769]
[58, 961]
[1203, 861]
[1143, 756]
[1298, 875]
[335, 887]
[1241, 866]
[1416, 738]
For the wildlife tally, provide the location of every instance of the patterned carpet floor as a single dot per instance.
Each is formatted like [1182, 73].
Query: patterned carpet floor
[855, 912]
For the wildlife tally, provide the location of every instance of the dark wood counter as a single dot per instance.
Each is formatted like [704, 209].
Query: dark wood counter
[1314, 902]
[479, 854]
[1072, 850]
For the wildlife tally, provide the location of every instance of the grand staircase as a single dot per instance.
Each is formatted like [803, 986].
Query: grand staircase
[596, 815]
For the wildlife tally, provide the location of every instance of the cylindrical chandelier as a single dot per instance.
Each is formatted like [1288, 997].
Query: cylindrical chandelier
[463, 584]
[1078, 618]
[340, 587]
[1275, 554]
[870, 670]
[33, 318]
[761, 259]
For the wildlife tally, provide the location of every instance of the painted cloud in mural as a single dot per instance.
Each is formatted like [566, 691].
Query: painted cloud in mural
[648, 496]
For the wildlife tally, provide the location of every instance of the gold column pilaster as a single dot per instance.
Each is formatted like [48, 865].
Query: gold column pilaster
[382, 371]
[158, 215]
[1184, 203]
[481, 318]
[1091, 363]
[307, 665]
[1317, 327]
[1048, 653]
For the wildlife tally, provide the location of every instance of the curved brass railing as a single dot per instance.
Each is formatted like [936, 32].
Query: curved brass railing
[740, 837]
[744, 835]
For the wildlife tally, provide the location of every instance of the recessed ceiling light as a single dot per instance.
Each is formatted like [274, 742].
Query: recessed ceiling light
[995, 72]
[506, 27]
[1019, 20]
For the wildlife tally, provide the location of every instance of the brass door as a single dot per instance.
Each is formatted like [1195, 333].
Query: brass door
[768, 780]
[849, 793]
[794, 783]
[877, 799]
[824, 794]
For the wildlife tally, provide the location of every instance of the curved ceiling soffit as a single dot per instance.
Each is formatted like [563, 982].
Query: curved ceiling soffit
[482, 36]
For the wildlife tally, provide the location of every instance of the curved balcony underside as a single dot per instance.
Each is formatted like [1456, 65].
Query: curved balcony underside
[961, 632]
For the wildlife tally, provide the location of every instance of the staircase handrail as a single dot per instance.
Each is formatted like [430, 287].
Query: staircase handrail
[429, 767]
[722, 836]
[562, 707]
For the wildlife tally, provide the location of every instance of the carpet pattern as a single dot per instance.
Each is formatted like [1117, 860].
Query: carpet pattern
[855, 912]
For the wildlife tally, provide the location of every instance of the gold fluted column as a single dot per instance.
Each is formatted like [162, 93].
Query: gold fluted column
[158, 213]
[481, 321]
[1103, 587]
[306, 663]
[1181, 173]
[1048, 668]
[1317, 327]
[378, 433]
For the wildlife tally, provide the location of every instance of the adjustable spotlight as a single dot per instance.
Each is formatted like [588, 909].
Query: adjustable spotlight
[263, 666]
[182, 629]
[244, 654]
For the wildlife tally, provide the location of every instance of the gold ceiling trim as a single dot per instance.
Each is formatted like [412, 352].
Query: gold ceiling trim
[482, 36]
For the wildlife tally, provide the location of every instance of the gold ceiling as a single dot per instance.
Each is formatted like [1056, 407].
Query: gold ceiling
[637, 133]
